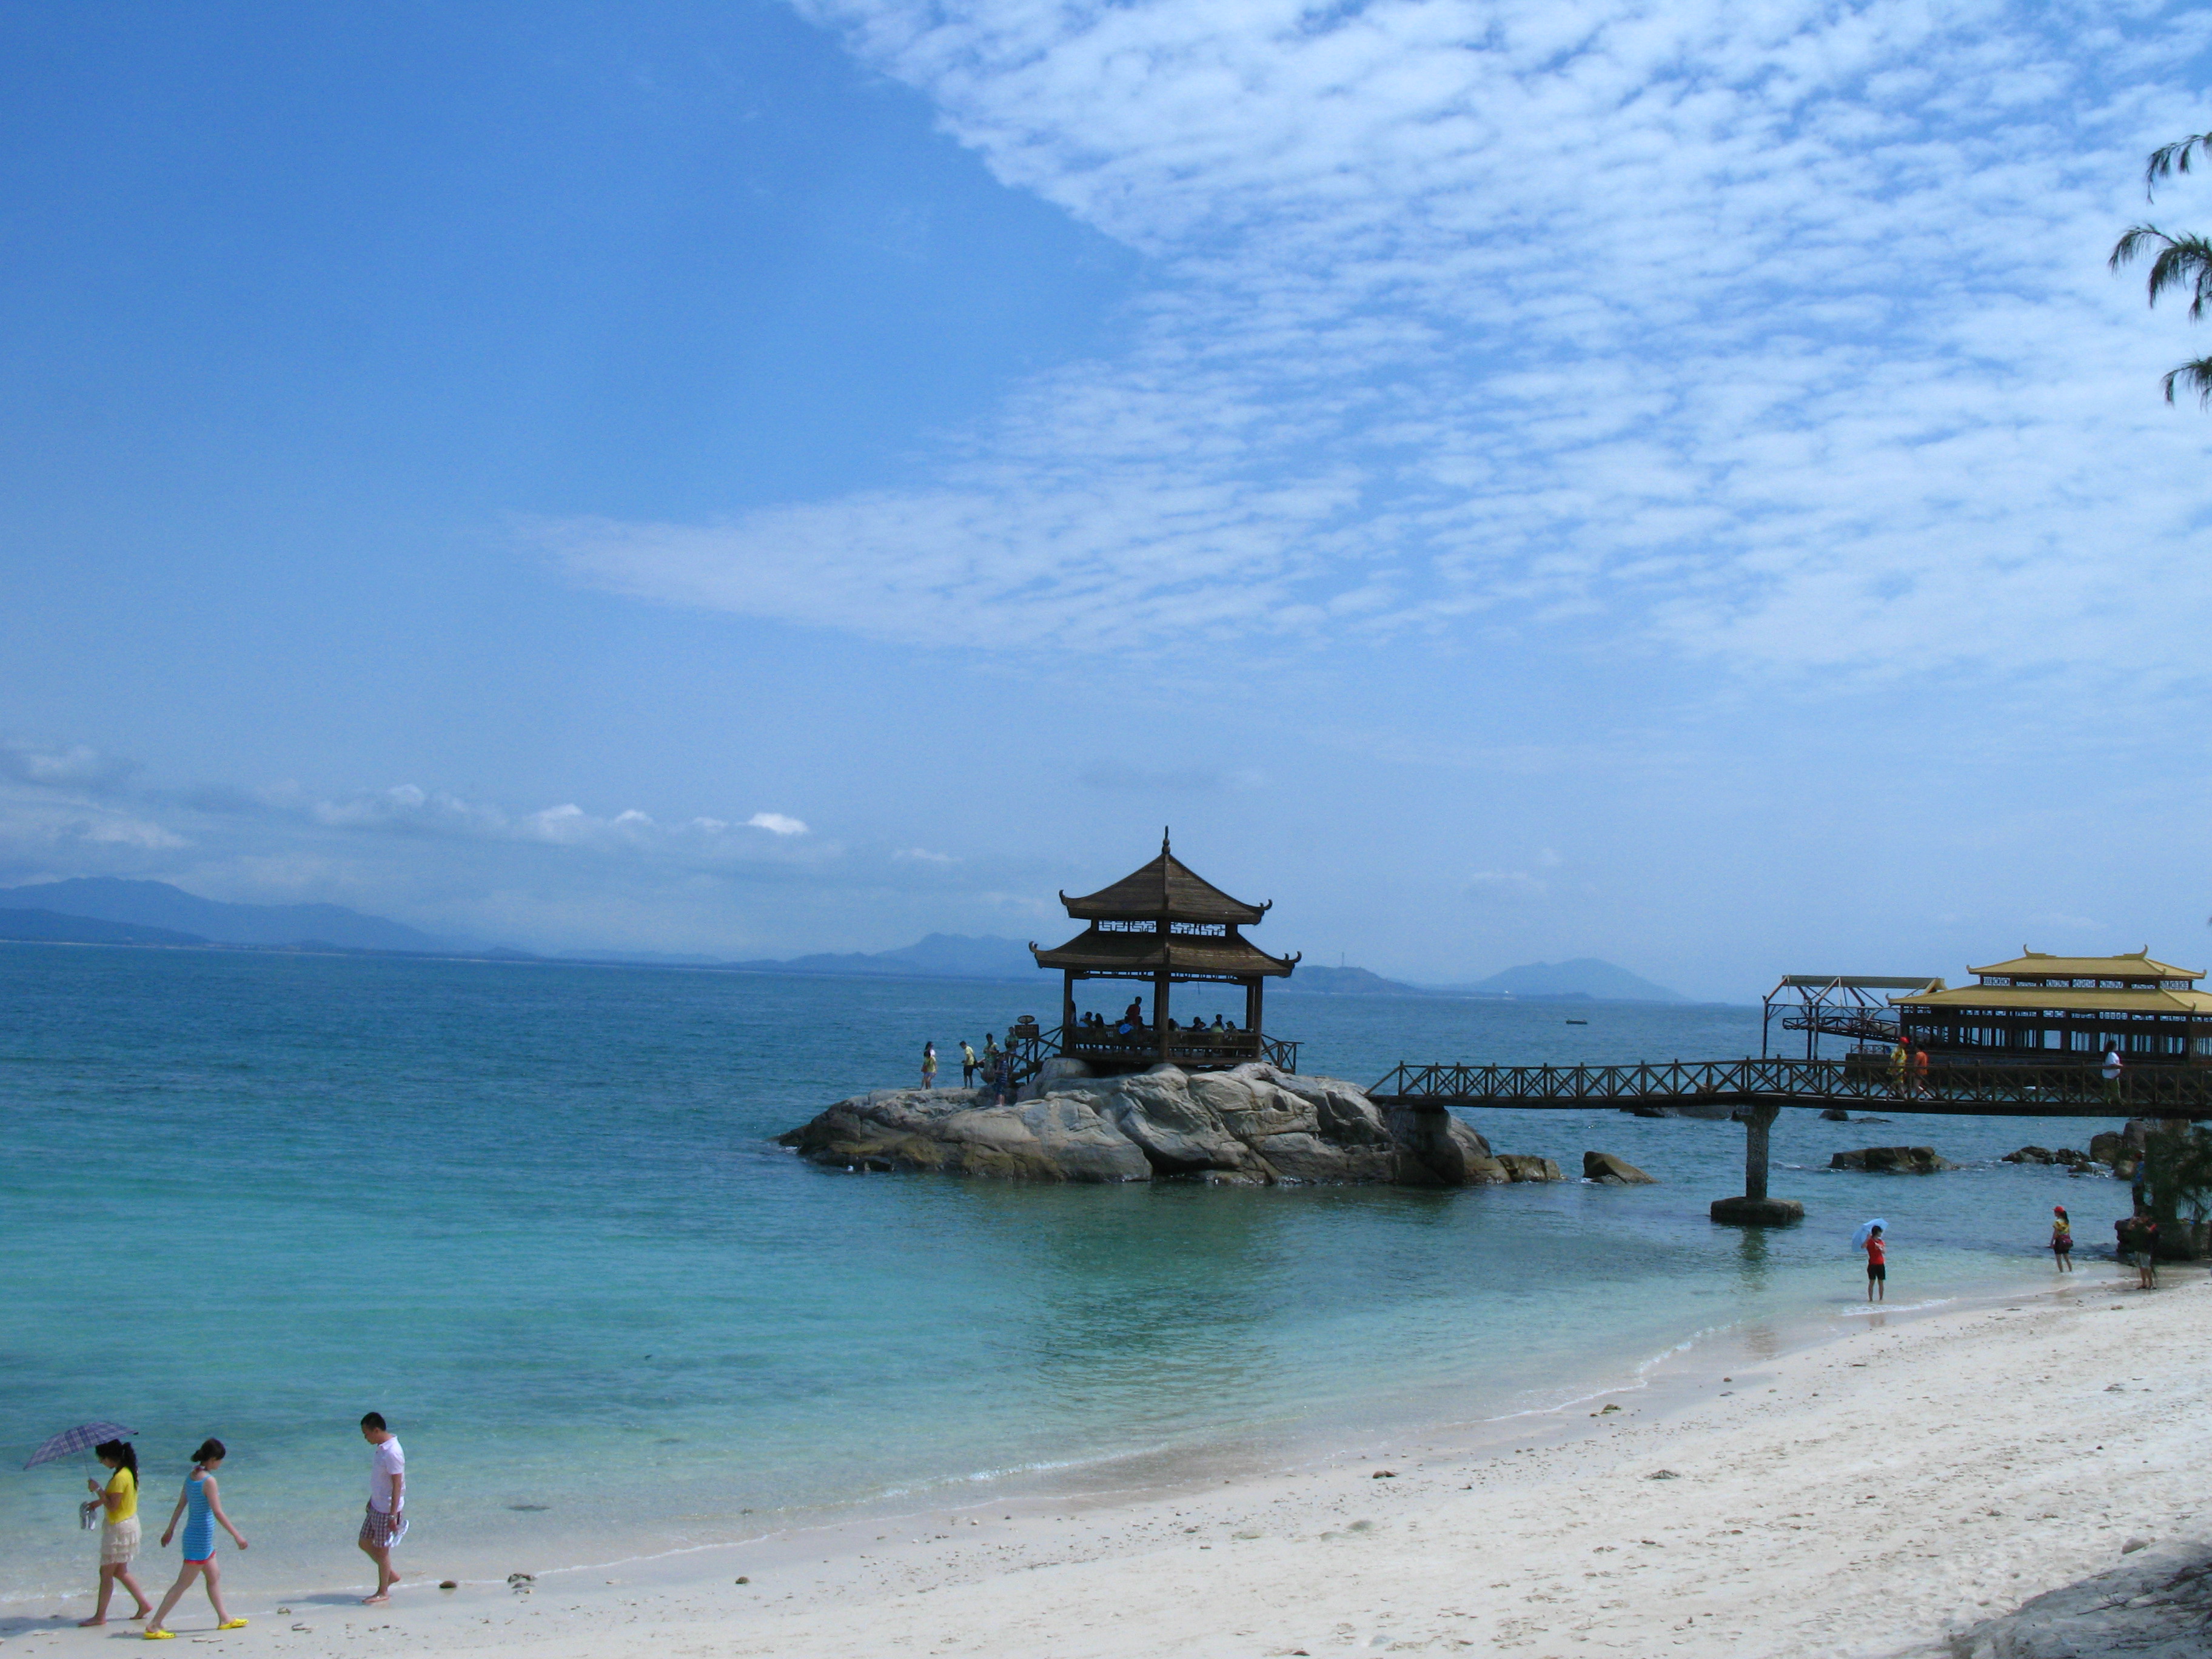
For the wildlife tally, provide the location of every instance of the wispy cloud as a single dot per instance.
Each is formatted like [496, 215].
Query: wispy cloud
[1776, 333]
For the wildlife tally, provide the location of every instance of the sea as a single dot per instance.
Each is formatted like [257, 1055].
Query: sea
[536, 1215]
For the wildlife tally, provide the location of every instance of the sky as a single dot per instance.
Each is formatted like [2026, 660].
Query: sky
[1503, 482]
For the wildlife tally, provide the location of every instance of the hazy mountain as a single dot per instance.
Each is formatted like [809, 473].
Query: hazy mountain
[47, 927]
[1342, 981]
[1585, 976]
[157, 904]
[954, 955]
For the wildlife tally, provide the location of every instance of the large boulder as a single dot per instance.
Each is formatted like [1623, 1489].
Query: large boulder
[1252, 1125]
[2155, 1604]
[1892, 1160]
[1608, 1170]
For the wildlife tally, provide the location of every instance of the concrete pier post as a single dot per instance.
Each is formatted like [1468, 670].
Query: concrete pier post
[1755, 1209]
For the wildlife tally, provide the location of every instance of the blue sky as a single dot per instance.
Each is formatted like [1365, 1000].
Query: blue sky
[1675, 484]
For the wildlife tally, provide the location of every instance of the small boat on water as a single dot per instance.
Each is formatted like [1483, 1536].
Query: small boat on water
[1577, 1022]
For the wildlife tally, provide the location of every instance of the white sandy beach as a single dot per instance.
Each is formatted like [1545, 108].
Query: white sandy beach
[1865, 1496]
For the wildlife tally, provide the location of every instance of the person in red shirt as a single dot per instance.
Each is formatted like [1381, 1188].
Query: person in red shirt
[1877, 1267]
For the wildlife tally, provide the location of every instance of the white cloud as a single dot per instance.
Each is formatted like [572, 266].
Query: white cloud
[776, 823]
[78, 766]
[923, 855]
[1777, 332]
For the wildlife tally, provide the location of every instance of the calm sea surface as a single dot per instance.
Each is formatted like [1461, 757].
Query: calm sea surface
[533, 1214]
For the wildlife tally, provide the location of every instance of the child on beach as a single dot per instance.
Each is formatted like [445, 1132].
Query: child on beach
[1877, 1267]
[204, 1504]
[119, 1532]
[2062, 1239]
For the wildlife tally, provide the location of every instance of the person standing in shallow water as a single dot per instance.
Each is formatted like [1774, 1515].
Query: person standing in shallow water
[119, 1532]
[1877, 1267]
[2062, 1239]
[385, 1524]
[929, 1066]
[202, 1506]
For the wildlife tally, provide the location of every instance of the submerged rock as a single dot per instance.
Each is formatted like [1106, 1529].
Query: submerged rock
[1900, 1160]
[1614, 1171]
[1250, 1126]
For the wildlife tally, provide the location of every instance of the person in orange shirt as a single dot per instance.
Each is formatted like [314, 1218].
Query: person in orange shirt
[1920, 1071]
[1877, 1267]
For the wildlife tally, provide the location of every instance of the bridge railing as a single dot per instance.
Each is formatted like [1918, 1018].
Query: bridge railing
[2142, 1091]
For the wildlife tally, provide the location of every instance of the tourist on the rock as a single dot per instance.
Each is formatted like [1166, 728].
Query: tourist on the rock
[2062, 1239]
[968, 1065]
[990, 1056]
[1877, 1253]
[929, 1066]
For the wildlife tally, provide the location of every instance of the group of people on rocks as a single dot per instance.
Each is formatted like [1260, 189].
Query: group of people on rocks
[199, 1505]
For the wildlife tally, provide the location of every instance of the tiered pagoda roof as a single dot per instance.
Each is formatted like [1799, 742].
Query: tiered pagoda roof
[1165, 918]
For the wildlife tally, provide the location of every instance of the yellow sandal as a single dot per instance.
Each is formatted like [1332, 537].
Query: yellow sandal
[233, 1624]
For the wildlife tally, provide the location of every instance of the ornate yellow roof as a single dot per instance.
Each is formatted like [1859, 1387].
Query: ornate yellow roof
[2014, 999]
[2136, 964]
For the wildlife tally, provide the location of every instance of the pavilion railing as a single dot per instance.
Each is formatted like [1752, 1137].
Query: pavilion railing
[1031, 1046]
[2077, 1091]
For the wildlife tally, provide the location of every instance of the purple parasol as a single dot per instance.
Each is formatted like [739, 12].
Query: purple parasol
[83, 1437]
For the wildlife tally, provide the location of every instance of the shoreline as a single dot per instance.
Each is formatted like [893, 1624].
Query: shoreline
[1250, 1538]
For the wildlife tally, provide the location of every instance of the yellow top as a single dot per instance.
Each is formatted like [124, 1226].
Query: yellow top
[122, 1496]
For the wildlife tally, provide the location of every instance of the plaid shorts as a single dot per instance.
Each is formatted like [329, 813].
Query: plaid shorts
[380, 1531]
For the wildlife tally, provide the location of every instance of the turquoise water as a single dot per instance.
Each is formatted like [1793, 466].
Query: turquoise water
[533, 1214]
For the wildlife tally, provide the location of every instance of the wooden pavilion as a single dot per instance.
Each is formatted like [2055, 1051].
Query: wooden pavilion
[1166, 924]
[2051, 1010]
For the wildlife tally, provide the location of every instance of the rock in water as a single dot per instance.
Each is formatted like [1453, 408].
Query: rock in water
[1252, 1125]
[2156, 1605]
[1899, 1160]
[2032, 1155]
[1614, 1171]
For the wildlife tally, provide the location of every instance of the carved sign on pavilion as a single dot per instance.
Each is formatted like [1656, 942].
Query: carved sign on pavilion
[1166, 924]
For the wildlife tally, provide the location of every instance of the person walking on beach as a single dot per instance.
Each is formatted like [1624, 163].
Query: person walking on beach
[929, 1066]
[202, 1506]
[386, 1522]
[119, 1531]
[1877, 1266]
[968, 1065]
[2062, 1239]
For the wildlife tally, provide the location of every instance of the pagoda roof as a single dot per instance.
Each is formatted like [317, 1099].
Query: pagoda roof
[1168, 890]
[1225, 954]
[2136, 965]
[2060, 1001]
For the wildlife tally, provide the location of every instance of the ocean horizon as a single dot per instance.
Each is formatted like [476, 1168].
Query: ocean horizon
[534, 1213]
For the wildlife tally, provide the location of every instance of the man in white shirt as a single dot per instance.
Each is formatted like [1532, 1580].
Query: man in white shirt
[386, 1522]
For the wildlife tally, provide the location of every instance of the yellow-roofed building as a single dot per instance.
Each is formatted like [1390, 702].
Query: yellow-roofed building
[2051, 1010]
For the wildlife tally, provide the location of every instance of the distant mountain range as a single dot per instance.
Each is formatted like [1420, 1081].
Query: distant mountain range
[191, 919]
[107, 910]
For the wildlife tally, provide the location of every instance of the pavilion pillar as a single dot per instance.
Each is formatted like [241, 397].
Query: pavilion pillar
[1160, 982]
[1755, 1209]
[1067, 1012]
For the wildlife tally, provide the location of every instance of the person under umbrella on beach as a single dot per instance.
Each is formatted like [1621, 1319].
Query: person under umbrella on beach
[2062, 1239]
[386, 1522]
[119, 1532]
[202, 1506]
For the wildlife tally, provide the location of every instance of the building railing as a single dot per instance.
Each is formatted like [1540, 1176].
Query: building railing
[2078, 1090]
[1031, 1046]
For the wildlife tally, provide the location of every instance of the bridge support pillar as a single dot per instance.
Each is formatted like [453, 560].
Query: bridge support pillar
[1755, 1209]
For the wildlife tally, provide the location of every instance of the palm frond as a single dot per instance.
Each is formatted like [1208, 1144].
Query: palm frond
[2198, 377]
[2169, 159]
[2183, 263]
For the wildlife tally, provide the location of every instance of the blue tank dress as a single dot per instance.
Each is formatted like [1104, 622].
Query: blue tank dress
[200, 1522]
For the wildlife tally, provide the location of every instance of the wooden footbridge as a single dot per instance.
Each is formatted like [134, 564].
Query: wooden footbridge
[1756, 1090]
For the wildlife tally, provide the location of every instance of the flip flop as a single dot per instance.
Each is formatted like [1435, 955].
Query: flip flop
[233, 1624]
[159, 1635]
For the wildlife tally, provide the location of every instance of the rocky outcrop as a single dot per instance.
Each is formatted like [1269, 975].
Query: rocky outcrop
[1252, 1125]
[2064, 1156]
[1611, 1171]
[2156, 1604]
[1897, 1160]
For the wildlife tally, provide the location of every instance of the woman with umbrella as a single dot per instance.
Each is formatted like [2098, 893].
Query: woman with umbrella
[118, 1534]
